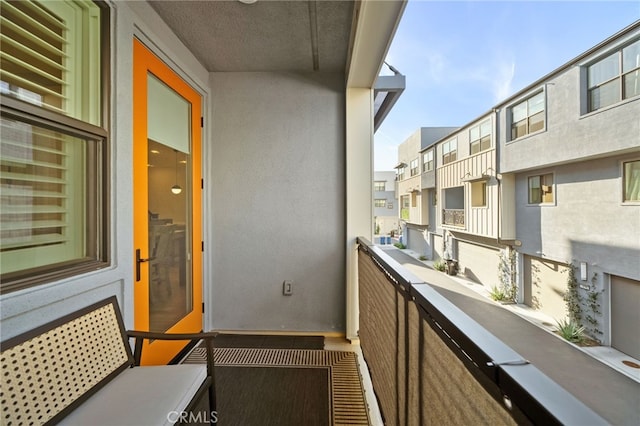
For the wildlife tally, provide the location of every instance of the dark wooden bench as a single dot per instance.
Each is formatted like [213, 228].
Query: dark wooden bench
[80, 370]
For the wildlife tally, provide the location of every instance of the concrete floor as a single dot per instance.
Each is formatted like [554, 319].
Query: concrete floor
[613, 393]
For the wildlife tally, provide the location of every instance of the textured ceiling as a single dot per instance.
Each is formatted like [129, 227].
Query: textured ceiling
[269, 35]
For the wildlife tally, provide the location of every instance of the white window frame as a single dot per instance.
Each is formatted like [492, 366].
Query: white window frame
[449, 149]
[622, 183]
[552, 187]
[479, 140]
[401, 173]
[479, 187]
[414, 169]
[528, 115]
[619, 78]
[378, 201]
[427, 161]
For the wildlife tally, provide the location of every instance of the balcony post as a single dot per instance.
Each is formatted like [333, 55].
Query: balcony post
[359, 175]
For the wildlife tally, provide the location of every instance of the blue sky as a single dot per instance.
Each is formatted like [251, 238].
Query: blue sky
[461, 58]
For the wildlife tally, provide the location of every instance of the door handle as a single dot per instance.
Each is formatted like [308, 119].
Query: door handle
[140, 260]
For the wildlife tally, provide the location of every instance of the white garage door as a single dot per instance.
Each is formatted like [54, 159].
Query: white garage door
[416, 241]
[479, 263]
[545, 285]
[437, 247]
[625, 315]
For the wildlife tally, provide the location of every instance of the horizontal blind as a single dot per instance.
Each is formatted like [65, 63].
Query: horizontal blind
[33, 60]
[33, 186]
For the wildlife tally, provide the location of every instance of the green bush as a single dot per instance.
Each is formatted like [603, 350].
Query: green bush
[570, 331]
[439, 265]
[400, 246]
[498, 294]
[423, 257]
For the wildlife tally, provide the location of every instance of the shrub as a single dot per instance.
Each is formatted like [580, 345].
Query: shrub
[439, 265]
[423, 257]
[400, 246]
[498, 294]
[570, 331]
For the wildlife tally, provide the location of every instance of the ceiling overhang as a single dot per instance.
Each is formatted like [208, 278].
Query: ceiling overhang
[343, 36]
[387, 90]
[375, 23]
[265, 36]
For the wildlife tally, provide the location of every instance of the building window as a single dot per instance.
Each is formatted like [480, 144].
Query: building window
[414, 199]
[480, 137]
[404, 209]
[380, 202]
[401, 171]
[453, 211]
[379, 186]
[528, 116]
[427, 161]
[614, 78]
[541, 189]
[414, 167]
[449, 151]
[631, 181]
[54, 142]
[478, 194]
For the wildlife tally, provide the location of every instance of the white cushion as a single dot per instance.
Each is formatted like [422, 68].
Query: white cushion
[141, 396]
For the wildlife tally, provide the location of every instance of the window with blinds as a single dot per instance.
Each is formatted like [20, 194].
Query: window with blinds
[52, 147]
[33, 53]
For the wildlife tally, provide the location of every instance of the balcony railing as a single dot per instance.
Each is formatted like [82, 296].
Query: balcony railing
[430, 363]
[453, 217]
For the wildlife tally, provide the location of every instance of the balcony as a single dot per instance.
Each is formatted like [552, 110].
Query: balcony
[453, 217]
[430, 363]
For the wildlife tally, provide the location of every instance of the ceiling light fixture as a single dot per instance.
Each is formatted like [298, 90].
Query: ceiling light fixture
[248, 1]
[176, 189]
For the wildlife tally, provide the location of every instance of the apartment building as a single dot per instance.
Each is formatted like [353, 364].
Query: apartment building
[416, 186]
[475, 219]
[571, 144]
[385, 206]
[547, 181]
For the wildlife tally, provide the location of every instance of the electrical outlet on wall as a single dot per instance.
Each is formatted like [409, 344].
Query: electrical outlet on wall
[287, 288]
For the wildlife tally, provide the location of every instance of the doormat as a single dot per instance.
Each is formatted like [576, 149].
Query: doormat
[286, 386]
[268, 341]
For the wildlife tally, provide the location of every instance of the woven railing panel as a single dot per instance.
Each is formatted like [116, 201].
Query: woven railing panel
[378, 334]
[47, 373]
[413, 370]
[401, 360]
[450, 394]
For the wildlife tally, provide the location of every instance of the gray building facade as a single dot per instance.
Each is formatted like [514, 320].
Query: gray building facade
[545, 183]
[385, 204]
[575, 158]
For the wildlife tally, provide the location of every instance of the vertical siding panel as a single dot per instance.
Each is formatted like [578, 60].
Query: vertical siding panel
[485, 216]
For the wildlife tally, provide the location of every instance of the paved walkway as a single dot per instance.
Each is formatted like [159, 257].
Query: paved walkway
[611, 394]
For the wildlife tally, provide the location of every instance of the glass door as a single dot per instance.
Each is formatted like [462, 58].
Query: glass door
[170, 287]
[167, 202]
